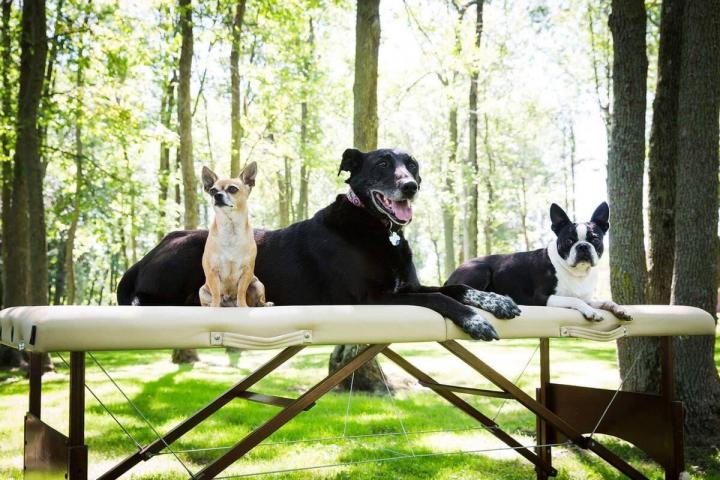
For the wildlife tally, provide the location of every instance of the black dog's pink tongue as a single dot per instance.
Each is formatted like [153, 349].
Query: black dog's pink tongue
[402, 210]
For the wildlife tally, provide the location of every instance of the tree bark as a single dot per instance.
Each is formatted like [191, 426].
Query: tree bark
[186, 143]
[75, 215]
[185, 116]
[470, 221]
[626, 163]
[696, 222]
[663, 154]
[365, 136]
[367, 44]
[489, 187]
[303, 192]
[448, 204]
[34, 169]
[166, 109]
[235, 125]
[9, 357]
[662, 162]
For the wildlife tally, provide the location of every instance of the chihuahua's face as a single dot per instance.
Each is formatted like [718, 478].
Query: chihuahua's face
[229, 194]
[580, 244]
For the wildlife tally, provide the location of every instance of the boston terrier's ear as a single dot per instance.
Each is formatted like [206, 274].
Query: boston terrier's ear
[601, 217]
[208, 178]
[558, 217]
[352, 160]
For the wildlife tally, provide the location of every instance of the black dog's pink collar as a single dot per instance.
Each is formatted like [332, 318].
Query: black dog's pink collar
[354, 199]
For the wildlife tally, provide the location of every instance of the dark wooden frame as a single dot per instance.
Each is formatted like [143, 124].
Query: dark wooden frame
[564, 413]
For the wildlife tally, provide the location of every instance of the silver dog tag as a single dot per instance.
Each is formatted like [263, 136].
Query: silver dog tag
[394, 238]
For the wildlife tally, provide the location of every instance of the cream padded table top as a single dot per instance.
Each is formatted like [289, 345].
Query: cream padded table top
[90, 328]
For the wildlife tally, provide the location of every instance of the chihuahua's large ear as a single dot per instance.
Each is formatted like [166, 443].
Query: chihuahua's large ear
[248, 174]
[208, 178]
[351, 161]
[601, 217]
[558, 217]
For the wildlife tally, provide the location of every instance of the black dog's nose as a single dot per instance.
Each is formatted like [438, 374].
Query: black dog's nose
[409, 188]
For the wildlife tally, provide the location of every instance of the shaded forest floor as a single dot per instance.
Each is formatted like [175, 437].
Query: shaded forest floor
[167, 394]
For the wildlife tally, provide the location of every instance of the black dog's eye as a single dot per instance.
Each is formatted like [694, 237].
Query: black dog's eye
[382, 164]
[412, 166]
[232, 189]
[213, 191]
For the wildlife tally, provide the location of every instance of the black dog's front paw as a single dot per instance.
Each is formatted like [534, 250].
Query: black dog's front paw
[479, 328]
[499, 305]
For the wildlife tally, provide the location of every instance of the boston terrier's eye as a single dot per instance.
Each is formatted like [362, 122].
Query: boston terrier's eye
[213, 191]
[569, 242]
[232, 189]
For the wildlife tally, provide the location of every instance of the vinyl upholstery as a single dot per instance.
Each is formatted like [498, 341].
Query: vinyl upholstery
[93, 328]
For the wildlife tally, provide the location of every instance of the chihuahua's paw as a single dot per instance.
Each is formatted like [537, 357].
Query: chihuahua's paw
[269, 304]
[479, 328]
[499, 305]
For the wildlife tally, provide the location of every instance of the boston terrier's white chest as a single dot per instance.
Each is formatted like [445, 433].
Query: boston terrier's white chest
[572, 282]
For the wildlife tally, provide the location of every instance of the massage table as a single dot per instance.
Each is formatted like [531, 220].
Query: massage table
[565, 413]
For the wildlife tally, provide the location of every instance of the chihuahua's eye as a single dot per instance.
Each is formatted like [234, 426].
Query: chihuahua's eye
[213, 191]
[232, 189]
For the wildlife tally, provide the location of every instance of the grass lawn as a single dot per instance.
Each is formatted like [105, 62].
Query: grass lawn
[167, 394]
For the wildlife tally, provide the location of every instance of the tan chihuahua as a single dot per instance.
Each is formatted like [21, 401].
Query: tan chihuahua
[230, 251]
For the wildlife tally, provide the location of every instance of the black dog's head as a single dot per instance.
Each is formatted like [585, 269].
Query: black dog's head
[580, 243]
[386, 181]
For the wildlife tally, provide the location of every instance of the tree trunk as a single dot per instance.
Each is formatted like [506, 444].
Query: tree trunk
[35, 175]
[490, 206]
[663, 154]
[166, 109]
[448, 204]
[235, 125]
[185, 156]
[524, 212]
[626, 164]
[75, 216]
[185, 116]
[9, 357]
[369, 378]
[367, 44]
[662, 161]
[303, 192]
[32, 64]
[696, 222]
[365, 136]
[470, 221]
[302, 204]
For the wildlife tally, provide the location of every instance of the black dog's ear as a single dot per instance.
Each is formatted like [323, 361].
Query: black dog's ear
[601, 217]
[208, 178]
[351, 160]
[248, 174]
[558, 217]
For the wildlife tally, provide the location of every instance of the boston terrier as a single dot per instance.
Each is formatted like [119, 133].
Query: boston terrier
[560, 275]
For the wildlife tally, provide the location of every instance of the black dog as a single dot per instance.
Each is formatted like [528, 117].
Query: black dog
[351, 252]
[561, 275]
